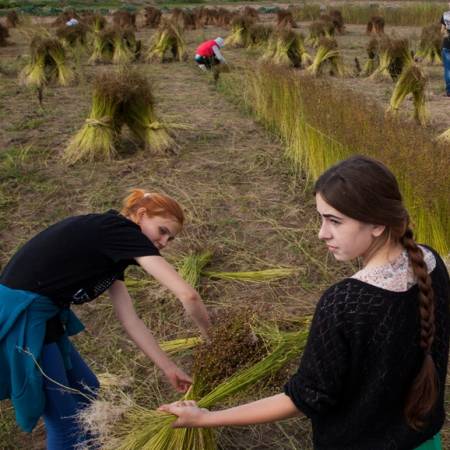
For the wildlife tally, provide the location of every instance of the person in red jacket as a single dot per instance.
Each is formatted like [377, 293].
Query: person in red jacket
[208, 53]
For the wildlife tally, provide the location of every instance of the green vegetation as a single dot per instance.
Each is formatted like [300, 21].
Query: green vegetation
[239, 354]
[417, 13]
[240, 196]
[297, 108]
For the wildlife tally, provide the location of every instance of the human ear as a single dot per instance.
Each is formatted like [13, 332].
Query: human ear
[378, 230]
[140, 214]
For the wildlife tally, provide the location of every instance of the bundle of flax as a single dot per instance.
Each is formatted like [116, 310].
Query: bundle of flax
[48, 63]
[119, 98]
[183, 18]
[191, 266]
[238, 355]
[176, 346]
[375, 25]
[394, 55]
[285, 19]
[318, 30]
[412, 81]
[259, 35]
[259, 276]
[444, 137]
[152, 17]
[4, 34]
[12, 19]
[287, 48]
[373, 57]
[126, 47]
[327, 57]
[94, 21]
[240, 31]
[74, 36]
[103, 46]
[168, 39]
[430, 44]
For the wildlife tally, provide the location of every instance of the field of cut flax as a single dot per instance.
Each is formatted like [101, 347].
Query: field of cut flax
[250, 243]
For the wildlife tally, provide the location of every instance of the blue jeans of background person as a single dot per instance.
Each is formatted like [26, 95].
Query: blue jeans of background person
[61, 406]
[208, 62]
[446, 62]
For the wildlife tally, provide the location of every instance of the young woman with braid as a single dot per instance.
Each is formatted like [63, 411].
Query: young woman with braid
[373, 372]
[73, 262]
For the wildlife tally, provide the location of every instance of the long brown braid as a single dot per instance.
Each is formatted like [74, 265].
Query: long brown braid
[424, 391]
[366, 190]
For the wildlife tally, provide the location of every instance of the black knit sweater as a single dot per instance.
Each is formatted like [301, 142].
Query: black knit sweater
[360, 359]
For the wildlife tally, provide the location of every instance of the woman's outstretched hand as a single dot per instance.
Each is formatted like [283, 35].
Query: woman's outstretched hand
[178, 378]
[189, 414]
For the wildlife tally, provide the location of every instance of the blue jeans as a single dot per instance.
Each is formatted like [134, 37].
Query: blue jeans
[61, 407]
[208, 62]
[446, 62]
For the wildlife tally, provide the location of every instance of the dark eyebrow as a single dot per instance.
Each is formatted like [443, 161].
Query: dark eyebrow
[331, 216]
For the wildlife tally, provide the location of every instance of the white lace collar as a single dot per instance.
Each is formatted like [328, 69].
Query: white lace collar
[397, 276]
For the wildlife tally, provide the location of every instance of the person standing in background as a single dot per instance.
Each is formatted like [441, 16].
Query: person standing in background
[445, 28]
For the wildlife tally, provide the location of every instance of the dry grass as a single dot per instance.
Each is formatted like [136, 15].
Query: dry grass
[232, 182]
[239, 195]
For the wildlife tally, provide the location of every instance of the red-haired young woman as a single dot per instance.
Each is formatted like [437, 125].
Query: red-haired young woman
[73, 262]
[372, 376]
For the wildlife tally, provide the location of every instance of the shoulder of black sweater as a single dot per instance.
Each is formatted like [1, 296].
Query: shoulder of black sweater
[336, 297]
[440, 264]
[339, 292]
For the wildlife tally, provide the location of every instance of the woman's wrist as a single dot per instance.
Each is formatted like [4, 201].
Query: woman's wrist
[166, 364]
[204, 419]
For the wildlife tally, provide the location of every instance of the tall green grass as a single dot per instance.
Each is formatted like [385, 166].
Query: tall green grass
[322, 124]
[420, 13]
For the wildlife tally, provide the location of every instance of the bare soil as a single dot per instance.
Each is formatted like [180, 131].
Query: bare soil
[228, 172]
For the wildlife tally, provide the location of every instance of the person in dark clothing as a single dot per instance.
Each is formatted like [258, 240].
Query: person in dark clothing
[445, 28]
[372, 376]
[73, 262]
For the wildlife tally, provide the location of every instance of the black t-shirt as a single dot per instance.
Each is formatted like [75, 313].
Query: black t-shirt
[77, 259]
[446, 40]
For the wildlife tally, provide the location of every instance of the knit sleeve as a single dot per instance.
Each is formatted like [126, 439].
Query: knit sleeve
[318, 384]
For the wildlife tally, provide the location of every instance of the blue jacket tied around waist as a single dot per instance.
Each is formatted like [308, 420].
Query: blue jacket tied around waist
[23, 317]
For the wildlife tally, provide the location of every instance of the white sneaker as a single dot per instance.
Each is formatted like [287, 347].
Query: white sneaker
[202, 67]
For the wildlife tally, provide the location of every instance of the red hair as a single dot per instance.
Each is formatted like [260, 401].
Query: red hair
[154, 203]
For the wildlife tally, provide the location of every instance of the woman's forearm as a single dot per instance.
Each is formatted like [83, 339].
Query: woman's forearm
[145, 340]
[195, 307]
[266, 410]
[162, 271]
